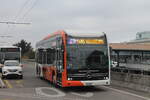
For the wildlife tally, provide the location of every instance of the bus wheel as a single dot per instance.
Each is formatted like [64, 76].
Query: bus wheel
[37, 71]
[54, 79]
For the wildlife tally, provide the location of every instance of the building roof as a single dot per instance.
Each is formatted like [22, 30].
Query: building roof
[128, 46]
[140, 41]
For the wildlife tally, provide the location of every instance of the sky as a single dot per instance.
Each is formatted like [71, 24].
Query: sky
[119, 19]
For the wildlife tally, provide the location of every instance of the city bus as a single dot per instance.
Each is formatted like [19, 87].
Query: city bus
[67, 59]
[10, 53]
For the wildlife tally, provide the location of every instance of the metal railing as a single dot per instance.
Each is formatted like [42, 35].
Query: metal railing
[131, 70]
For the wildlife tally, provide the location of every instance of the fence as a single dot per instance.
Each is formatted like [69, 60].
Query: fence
[131, 71]
[136, 79]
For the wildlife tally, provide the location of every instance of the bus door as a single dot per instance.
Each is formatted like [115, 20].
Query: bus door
[59, 60]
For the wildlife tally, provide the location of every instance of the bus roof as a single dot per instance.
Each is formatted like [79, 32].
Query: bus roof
[84, 33]
[73, 33]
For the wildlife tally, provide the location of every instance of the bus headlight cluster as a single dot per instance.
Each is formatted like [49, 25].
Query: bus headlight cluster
[69, 79]
[106, 78]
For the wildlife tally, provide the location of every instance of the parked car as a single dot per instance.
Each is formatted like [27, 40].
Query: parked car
[12, 68]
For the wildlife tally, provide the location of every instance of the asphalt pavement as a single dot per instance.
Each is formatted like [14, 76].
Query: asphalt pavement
[33, 88]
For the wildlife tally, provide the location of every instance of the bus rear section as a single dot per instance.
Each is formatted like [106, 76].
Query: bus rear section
[69, 60]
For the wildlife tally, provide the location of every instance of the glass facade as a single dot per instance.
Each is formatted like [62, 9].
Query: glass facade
[132, 59]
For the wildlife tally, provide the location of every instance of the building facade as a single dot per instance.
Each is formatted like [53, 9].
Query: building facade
[135, 53]
[142, 37]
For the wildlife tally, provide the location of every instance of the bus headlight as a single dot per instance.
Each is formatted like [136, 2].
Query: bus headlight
[106, 78]
[69, 79]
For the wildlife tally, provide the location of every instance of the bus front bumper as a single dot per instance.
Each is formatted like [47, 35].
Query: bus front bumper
[86, 83]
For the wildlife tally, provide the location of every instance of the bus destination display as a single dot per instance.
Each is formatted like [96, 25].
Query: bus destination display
[9, 49]
[85, 41]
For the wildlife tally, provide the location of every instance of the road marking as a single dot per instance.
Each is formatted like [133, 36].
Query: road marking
[19, 83]
[2, 84]
[8, 84]
[128, 93]
[22, 95]
[87, 95]
[6, 99]
[39, 91]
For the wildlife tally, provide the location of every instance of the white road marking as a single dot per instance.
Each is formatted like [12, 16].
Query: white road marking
[41, 95]
[40, 92]
[128, 93]
[23, 95]
[87, 95]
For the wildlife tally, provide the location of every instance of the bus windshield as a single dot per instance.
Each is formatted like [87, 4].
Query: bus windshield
[12, 55]
[87, 56]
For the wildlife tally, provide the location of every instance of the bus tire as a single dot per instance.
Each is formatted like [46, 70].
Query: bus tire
[37, 71]
[53, 78]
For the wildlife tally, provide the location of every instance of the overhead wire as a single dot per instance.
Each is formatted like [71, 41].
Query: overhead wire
[18, 15]
[22, 8]
[29, 10]
[16, 18]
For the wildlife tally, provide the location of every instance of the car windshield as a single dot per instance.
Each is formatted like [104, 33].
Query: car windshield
[11, 64]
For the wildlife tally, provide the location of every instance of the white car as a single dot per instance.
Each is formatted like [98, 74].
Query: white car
[12, 68]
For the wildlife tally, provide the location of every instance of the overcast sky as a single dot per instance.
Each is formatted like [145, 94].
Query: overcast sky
[120, 19]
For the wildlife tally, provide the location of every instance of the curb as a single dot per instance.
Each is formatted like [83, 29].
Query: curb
[2, 85]
[132, 86]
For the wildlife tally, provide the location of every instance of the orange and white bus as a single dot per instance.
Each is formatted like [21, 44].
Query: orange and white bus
[73, 60]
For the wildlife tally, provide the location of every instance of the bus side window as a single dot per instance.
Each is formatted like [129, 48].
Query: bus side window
[50, 56]
[40, 56]
[44, 57]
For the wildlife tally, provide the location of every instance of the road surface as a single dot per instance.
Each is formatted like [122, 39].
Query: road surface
[33, 88]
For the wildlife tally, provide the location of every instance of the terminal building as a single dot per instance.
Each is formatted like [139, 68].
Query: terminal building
[142, 38]
[135, 53]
